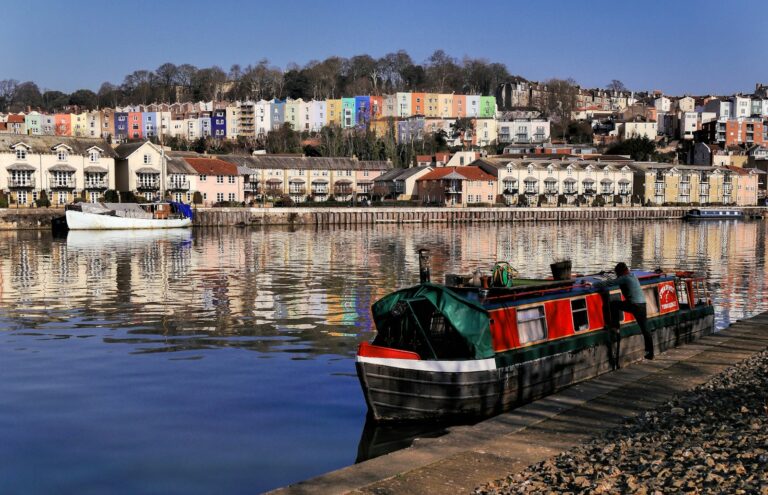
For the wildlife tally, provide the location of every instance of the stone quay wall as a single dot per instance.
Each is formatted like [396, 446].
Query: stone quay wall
[40, 218]
[341, 216]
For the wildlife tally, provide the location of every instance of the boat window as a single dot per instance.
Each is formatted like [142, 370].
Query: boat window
[651, 300]
[531, 324]
[580, 314]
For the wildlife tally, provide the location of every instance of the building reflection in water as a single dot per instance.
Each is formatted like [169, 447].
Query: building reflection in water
[309, 291]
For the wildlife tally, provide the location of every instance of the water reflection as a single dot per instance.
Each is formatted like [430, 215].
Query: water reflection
[297, 302]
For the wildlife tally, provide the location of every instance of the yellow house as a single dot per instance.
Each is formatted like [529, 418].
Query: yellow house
[79, 124]
[333, 110]
[432, 105]
[445, 105]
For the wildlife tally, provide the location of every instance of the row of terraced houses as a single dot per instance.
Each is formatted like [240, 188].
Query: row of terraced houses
[408, 115]
[70, 169]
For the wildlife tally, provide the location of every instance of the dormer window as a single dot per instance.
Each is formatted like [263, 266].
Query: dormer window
[21, 154]
[147, 159]
[62, 155]
[530, 169]
[94, 156]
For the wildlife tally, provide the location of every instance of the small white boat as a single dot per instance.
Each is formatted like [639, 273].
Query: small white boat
[116, 216]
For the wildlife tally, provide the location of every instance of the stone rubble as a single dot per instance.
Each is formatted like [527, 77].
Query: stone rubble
[711, 439]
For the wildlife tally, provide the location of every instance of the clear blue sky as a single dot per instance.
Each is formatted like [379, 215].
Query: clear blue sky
[677, 46]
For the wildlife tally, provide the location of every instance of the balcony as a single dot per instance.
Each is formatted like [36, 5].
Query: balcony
[550, 190]
[624, 191]
[178, 185]
[148, 186]
[297, 190]
[251, 187]
[606, 191]
[96, 184]
[62, 183]
[452, 190]
[570, 191]
[319, 191]
[342, 190]
[23, 183]
[510, 191]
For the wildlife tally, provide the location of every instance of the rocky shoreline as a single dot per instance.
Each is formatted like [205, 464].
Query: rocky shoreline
[711, 439]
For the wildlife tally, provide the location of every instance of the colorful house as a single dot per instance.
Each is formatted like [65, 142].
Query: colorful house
[149, 124]
[457, 186]
[362, 110]
[62, 124]
[459, 106]
[218, 181]
[418, 103]
[403, 105]
[121, 127]
[377, 107]
[278, 113]
[333, 108]
[348, 118]
[473, 105]
[219, 123]
[135, 126]
[487, 107]
[432, 105]
[293, 112]
[445, 105]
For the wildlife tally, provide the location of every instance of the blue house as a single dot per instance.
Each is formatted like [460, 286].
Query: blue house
[149, 124]
[219, 124]
[121, 126]
[277, 108]
[362, 110]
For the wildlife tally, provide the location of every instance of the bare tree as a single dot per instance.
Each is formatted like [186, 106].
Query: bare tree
[617, 86]
[7, 93]
[560, 99]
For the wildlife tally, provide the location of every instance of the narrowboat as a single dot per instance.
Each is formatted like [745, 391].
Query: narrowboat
[483, 345]
[714, 214]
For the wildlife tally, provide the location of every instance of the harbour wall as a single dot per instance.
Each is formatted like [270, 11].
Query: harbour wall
[40, 218]
[342, 216]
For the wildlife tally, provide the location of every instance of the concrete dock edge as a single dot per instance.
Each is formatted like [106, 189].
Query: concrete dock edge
[472, 455]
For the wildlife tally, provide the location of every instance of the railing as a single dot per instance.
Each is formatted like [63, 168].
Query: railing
[624, 192]
[61, 183]
[297, 190]
[320, 190]
[550, 190]
[148, 186]
[452, 190]
[96, 184]
[590, 190]
[364, 189]
[342, 190]
[21, 183]
[251, 186]
[178, 185]
[510, 190]
[606, 191]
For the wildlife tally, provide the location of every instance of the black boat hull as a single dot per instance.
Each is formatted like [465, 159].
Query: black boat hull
[395, 391]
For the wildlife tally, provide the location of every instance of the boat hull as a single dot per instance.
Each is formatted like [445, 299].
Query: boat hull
[404, 391]
[77, 220]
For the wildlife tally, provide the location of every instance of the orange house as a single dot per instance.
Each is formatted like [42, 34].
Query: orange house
[418, 103]
[377, 107]
[62, 124]
[134, 126]
[459, 106]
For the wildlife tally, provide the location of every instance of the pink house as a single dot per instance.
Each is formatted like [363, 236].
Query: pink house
[364, 179]
[457, 186]
[218, 181]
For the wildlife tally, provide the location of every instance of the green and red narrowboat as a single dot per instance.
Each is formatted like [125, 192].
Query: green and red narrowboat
[465, 350]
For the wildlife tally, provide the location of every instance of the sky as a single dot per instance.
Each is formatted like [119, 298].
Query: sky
[676, 46]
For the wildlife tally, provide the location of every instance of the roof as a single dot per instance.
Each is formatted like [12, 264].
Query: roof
[45, 144]
[177, 165]
[127, 149]
[466, 173]
[212, 166]
[283, 162]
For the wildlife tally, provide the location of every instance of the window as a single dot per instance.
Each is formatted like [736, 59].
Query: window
[531, 324]
[219, 197]
[61, 155]
[231, 179]
[147, 159]
[203, 177]
[21, 154]
[580, 314]
[205, 196]
[219, 179]
[651, 300]
[232, 197]
[94, 156]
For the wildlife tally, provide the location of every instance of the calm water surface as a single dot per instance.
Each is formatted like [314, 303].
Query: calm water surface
[222, 361]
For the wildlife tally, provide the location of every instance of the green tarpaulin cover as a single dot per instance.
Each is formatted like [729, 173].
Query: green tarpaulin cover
[468, 318]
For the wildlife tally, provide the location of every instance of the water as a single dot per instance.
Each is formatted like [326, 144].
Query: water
[222, 361]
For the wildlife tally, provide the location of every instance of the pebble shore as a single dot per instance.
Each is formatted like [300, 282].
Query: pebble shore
[711, 439]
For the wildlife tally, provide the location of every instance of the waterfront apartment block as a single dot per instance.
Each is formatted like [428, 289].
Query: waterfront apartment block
[65, 168]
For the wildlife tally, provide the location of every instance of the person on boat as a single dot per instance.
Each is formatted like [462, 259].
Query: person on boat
[633, 303]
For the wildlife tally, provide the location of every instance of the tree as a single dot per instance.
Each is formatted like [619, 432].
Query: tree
[197, 198]
[7, 93]
[639, 148]
[111, 196]
[560, 99]
[167, 76]
[84, 98]
[617, 86]
[27, 95]
[54, 100]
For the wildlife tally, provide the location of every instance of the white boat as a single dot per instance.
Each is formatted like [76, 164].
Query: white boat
[116, 216]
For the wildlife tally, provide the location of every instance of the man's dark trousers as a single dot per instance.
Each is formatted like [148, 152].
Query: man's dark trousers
[641, 317]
